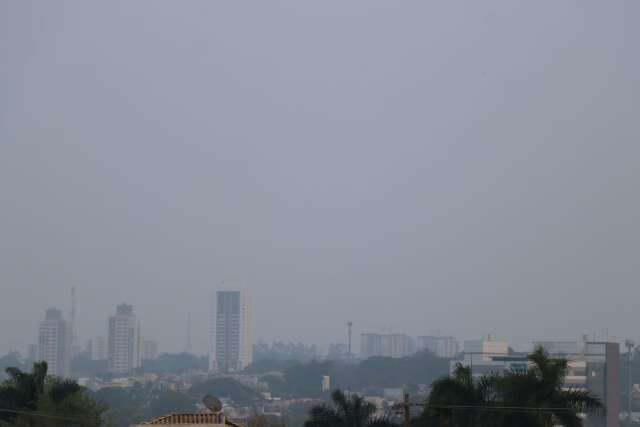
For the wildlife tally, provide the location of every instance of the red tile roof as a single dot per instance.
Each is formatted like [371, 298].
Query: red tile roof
[191, 418]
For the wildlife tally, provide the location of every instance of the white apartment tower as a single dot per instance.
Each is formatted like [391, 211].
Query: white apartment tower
[54, 343]
[231, 346]
[124, 340]
[384, 345]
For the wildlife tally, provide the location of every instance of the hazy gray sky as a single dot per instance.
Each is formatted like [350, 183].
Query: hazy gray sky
[472, 167]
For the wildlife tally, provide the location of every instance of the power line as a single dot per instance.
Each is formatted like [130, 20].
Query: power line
[489, 408]
[44, 415]
[501, 408]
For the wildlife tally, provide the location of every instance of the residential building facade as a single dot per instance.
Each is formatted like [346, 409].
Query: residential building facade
[231, 345]
[54, 343]
[124, 340]
[487, 356]
[446, 347]
[384, 345]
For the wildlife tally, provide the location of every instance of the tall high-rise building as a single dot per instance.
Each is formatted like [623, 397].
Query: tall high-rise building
[124, 340]
[231, 346]
[54, 343]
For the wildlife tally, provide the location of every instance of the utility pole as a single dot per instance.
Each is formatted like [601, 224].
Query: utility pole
[406, 406]
[349, 325]
[629, 344]
[188, 333]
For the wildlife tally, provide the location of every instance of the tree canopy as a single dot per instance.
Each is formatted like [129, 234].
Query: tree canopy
[531, 398]
[35, 399]
[345, 411]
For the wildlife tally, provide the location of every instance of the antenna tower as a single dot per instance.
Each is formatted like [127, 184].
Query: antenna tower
[74, 332]
[189, 333]
[349, 325]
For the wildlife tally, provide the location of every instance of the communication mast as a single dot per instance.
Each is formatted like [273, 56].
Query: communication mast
[74, 332]
[188, 333]
[349, 325]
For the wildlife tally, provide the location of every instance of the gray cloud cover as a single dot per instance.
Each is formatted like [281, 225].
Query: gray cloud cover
[465, 166]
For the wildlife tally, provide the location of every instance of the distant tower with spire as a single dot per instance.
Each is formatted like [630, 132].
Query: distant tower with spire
[72, 324]
[188, 347]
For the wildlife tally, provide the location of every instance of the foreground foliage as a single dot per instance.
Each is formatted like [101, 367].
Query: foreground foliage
[531, 398]
[35, 399]
[346, 411]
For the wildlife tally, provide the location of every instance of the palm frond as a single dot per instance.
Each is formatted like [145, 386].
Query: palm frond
[383, 421]
[340, 401]
[581, 401]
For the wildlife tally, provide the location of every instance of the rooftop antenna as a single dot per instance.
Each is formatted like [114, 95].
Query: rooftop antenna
[349, 325]
[74, 332]
[189, 333]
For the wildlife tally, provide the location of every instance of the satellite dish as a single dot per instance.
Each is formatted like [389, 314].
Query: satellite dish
[212, 403]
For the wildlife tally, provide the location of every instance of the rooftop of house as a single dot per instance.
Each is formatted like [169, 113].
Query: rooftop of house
[192, 418]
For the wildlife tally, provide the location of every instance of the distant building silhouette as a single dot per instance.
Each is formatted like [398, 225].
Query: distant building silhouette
[124, 340]
[54, 343]
[440, 346]
[384, 345]
[232, 349]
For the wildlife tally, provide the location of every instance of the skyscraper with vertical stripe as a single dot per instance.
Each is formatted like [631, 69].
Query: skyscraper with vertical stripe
[231, 345]
[124, 341]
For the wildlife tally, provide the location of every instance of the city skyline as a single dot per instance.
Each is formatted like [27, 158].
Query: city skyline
[203, 343]
[432, 339]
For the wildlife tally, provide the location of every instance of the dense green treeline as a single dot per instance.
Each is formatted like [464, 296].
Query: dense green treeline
[33, 399]
[303, 379]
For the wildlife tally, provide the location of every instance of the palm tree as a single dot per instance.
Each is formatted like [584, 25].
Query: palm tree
[531, 398]
[57, 401]
[352, 411]
[459, 400]
[22, 390]
[540, 388]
